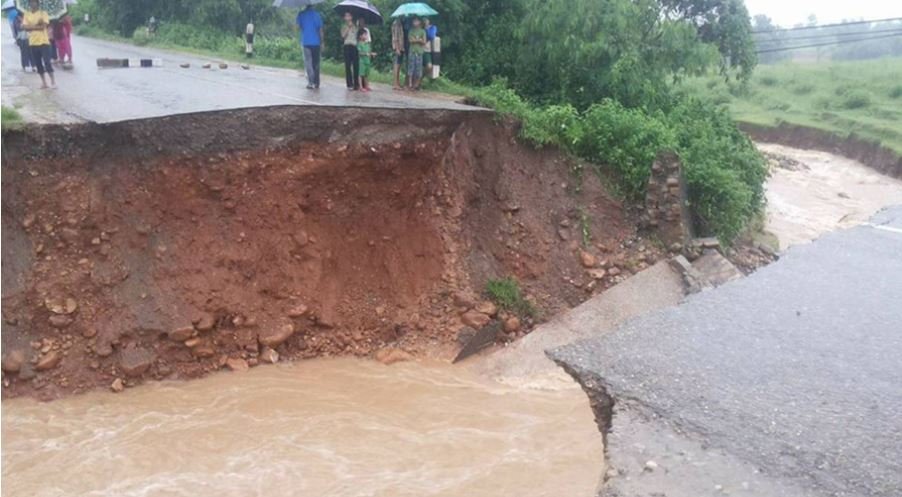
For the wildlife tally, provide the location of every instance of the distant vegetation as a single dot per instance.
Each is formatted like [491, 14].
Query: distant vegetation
[861, 98]
[849, 40]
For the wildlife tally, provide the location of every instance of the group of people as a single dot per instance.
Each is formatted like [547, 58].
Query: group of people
[42, 41]
[411, 39]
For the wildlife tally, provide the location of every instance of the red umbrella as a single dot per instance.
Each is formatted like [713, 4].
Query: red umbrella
[358, 9]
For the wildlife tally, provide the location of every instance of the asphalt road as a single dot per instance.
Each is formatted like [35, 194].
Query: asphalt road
[103, 95]
[794, 373]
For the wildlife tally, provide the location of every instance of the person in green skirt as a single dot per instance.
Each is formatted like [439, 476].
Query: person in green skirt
[365, 52]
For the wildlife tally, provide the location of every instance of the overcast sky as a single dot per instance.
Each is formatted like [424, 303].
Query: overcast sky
[790, 12]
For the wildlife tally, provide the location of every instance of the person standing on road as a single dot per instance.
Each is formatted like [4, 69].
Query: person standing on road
[37, 22]
[249, 39]
[310, 24]
[365, 54]
[352, 60]
[417, 39]
[63, 36]
[22, 42]
[431, 33]
[397, 47]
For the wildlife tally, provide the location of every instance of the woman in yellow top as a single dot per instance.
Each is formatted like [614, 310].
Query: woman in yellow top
[36, 22]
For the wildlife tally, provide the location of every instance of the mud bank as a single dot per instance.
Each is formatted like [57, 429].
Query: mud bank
[169, 248]
[870, 154]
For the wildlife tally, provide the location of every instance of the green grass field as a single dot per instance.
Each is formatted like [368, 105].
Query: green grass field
[861, 98]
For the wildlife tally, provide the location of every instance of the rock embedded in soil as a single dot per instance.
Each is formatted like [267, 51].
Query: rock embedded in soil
[181, 334]
[464, 301]
[66, 305]
[277, 335]
[237, 364]
[298, 311]
[488, 308]
[587, 259]
[269, 356]
[475, 319]
[205, 322]
[117, 385]
[13, 361]
[135, 361]
[597, 273]
[390, 356]
[202, 349]
[512, 324]
[49, 361]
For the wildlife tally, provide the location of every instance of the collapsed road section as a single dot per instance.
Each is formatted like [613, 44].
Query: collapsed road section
[784, 383]
[172, 247]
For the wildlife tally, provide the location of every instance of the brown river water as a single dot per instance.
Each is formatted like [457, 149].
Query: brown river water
[337, 427]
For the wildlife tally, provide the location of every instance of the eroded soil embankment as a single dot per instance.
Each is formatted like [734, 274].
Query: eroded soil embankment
[172, 247]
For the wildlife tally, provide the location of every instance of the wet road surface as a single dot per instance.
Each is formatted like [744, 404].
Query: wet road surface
[786, 380]
[103, 95]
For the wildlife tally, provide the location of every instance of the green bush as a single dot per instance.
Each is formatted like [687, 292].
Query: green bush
[895, 92]
[140, 36]
[724, 171]
[855, 99]
[552, 125]
[626, 140]
[769, 81]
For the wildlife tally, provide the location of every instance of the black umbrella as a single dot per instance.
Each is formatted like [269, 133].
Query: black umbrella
[358, 9]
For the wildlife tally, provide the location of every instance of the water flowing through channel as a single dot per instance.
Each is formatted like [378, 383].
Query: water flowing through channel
[338, 427]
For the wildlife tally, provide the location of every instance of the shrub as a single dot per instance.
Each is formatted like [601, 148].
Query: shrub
[803, 89]
[724, 171]
[627, 140]
[855, 99]
[506, 294]
[140, 36]
[552, 125]
[895, 92]
[769, 81]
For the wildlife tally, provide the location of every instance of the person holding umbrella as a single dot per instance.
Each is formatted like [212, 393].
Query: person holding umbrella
[310, 24]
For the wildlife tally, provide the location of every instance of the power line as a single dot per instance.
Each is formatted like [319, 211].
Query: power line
[841, 42]
[830, 35]
[852, 23]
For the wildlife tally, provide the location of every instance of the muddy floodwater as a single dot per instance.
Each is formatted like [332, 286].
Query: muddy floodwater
[338, 427]
[822, 192]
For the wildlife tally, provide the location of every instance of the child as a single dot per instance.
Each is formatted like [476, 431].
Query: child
[62, 33]
[417, 39]
[366, 54]
[22, 41]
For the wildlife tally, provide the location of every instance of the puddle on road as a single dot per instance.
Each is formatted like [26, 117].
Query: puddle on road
[338, 427]
[828, 192]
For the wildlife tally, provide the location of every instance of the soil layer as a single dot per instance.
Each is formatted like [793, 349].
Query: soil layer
[173, 247]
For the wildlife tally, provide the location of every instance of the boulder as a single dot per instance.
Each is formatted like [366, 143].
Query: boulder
[13, 361]
[587, 259]
[275, 336]
[389, 356]
[48, 361]
[181, 334]
[475, 319]
[269, 356]
[512, 324]
[205, 322]
[117, 386]
[60, 320]
[135, 361]
[237, 364]
[487, 307]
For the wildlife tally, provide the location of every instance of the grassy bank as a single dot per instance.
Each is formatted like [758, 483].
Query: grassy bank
[859, 98]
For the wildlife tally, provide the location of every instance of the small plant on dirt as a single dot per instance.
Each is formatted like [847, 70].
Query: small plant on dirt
[584, 227]
[506, 294]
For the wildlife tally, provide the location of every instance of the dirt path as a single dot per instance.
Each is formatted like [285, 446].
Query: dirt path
[811, 193]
